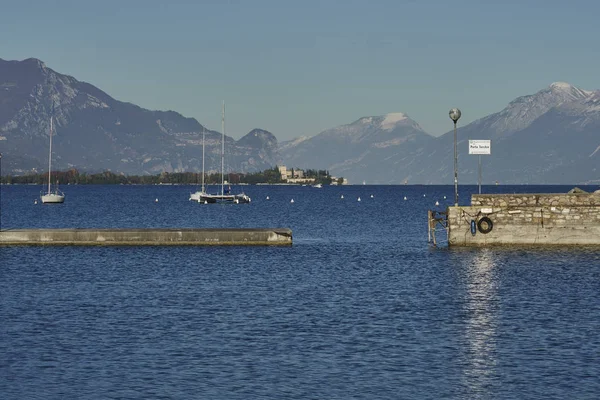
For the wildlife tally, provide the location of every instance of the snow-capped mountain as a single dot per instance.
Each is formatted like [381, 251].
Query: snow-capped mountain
[374, 129]
[96, 132]
[522, 111]
[562, 142]
[368, 146]
[552, 136]
[532, 139]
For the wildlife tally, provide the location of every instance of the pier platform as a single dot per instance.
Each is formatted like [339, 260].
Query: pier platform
[526, 219]
[149, 237]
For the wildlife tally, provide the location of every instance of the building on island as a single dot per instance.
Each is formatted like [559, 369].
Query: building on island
[296, 175]
[293, 175]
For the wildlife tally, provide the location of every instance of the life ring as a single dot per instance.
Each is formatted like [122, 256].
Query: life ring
[485, 225]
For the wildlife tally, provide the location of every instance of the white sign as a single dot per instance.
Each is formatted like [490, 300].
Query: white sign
[480, 147]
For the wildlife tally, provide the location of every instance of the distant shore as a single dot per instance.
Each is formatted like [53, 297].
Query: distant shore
[74, 177]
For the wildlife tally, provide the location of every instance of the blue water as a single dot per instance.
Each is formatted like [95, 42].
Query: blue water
[360, 307]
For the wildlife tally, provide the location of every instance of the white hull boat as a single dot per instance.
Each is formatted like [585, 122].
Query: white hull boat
[52, 196]
[56, 197]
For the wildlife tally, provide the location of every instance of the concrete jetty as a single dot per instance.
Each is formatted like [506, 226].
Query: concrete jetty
[526, 219]
[148, 237]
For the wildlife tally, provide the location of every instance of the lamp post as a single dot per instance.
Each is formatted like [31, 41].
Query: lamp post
[455, 116]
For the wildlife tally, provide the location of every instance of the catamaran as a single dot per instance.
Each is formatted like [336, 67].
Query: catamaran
[225, 196]
[52, 196]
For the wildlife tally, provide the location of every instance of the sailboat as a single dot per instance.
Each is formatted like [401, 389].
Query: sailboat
[224, 196]
[198, 194]
[56, 196]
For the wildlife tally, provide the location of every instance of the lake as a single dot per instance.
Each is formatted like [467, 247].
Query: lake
[360, 307]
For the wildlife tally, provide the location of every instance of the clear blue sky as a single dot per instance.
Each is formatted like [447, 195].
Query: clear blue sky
[299, 67]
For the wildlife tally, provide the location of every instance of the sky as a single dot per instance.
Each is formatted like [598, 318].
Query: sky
[296, 68]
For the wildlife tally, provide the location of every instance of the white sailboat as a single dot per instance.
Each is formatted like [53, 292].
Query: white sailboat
[198, 194]
[52, 196]
[223, 197]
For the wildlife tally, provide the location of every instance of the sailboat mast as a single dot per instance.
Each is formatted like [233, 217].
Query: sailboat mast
[203, 131]
[50, 157]
[223, 148]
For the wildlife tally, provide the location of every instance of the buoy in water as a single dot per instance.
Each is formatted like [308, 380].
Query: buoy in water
[292, 200]
[156, 200]
[437, 203]
[342, 196]
[372, 196]
[267, 197]
[205, 202]
[423, 195]
[444, 197]
[404, 197]
[359, 199]
[35, 201]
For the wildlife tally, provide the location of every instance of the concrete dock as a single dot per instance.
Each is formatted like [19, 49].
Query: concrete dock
[148, 237]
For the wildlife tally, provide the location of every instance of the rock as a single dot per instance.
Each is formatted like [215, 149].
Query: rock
[576, 190]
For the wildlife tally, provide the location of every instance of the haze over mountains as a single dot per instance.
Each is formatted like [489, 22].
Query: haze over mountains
[552, 136]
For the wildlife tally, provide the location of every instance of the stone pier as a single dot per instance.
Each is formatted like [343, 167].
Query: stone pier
[526, 219]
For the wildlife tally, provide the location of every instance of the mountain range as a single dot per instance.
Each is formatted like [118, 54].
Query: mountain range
[95, 132]
[552, 136]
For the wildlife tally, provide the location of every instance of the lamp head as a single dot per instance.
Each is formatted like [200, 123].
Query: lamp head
[455, 114]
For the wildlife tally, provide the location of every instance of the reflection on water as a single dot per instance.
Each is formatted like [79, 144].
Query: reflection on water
[481, 307]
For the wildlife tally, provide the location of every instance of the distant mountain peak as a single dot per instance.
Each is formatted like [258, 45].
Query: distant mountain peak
[390, 120]
[560, 85]
[566, 89]
[258, 137]
[34, 63]
[395, 123]
[385, 122]
[522, 111]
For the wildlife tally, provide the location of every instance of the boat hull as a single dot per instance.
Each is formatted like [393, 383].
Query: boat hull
[53, 198]
[196, 196]
[205, 198]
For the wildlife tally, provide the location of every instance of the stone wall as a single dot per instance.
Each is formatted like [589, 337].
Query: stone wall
[535, 200]
[527, 219]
